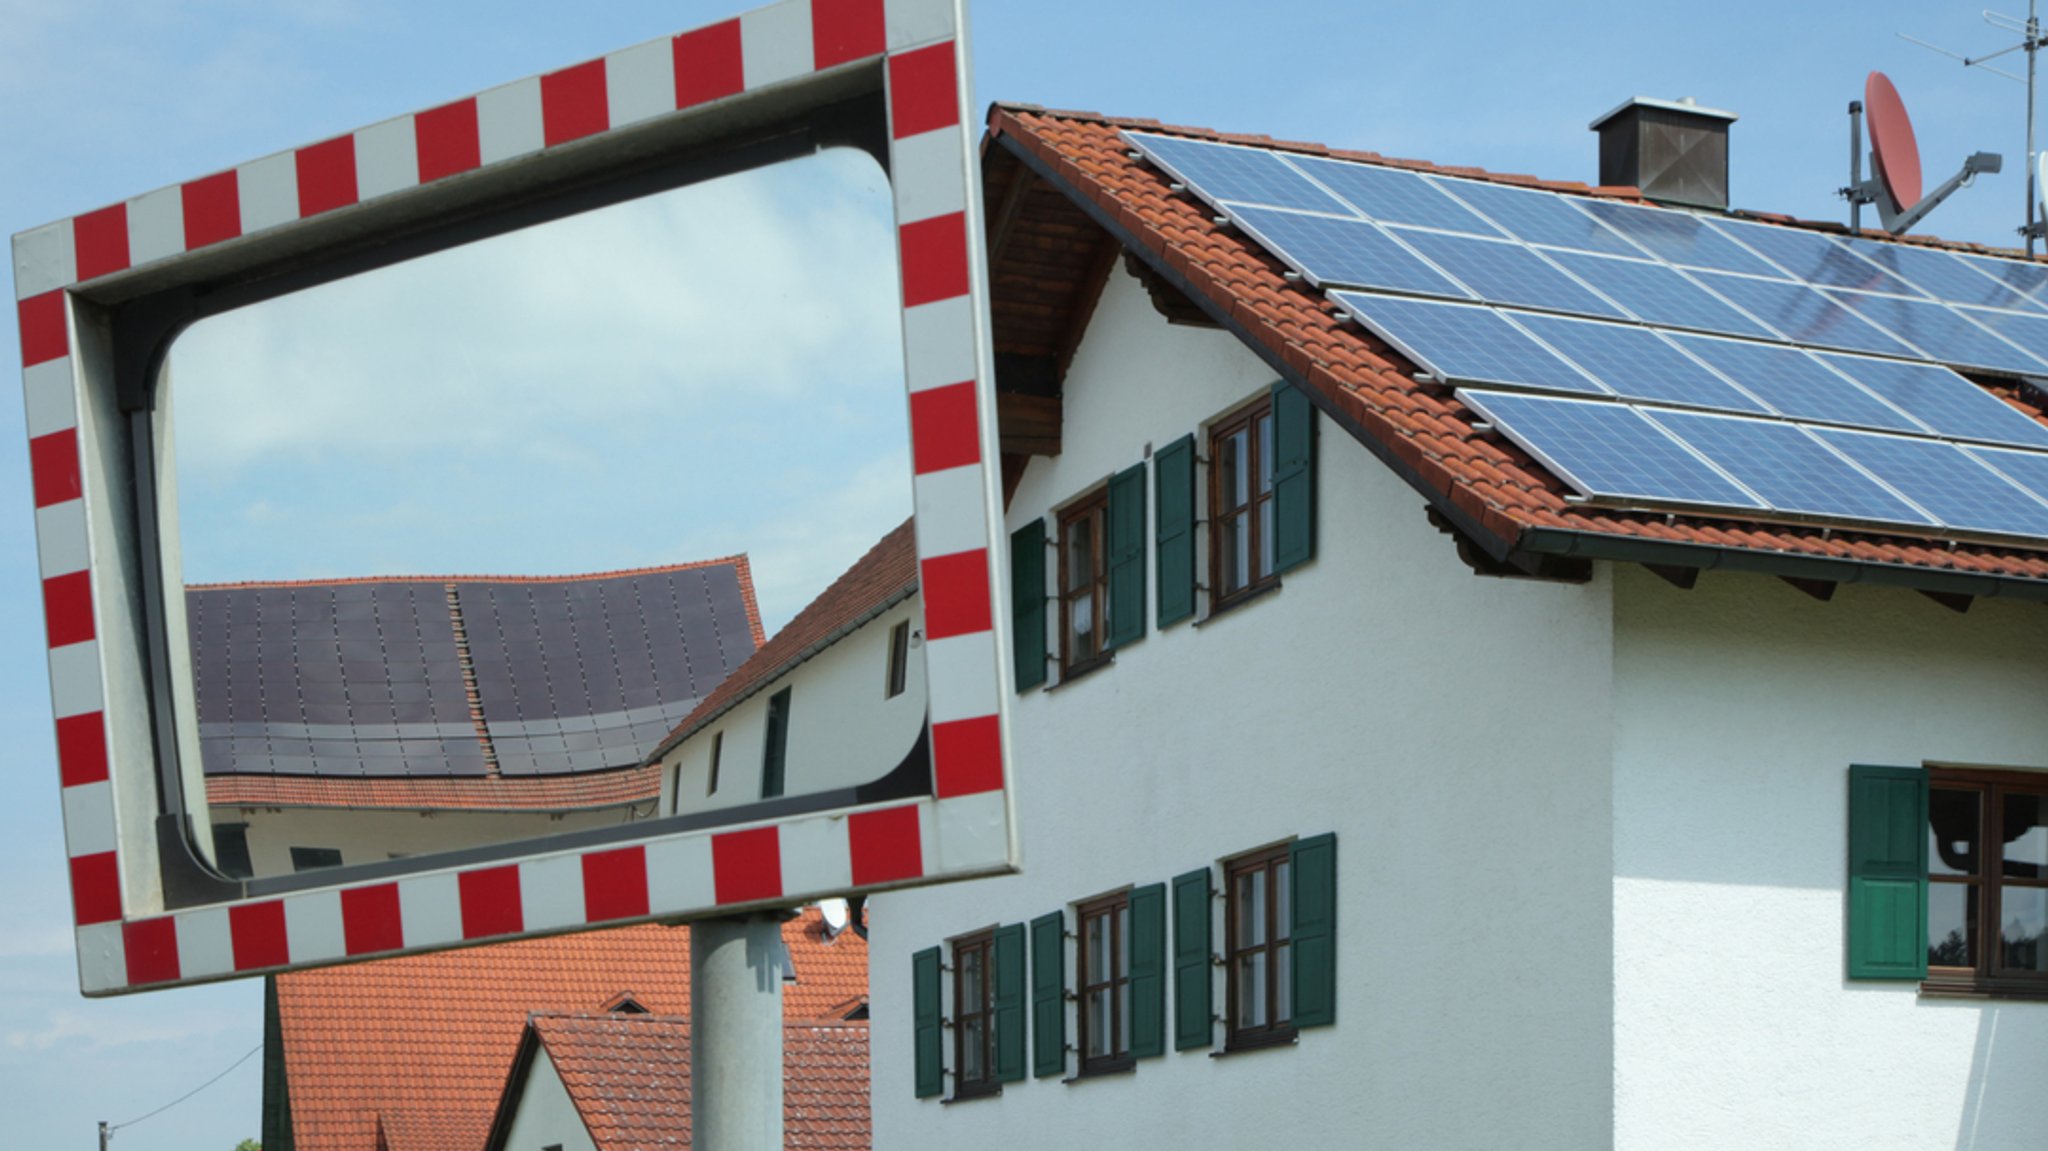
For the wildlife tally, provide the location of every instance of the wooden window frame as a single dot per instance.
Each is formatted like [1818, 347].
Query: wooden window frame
[983, 944]
[899, 661]
[1248, 419]
[1114, 912]
[1986, 976]
[1091, 513]
[775, 746]
[1239, 1036]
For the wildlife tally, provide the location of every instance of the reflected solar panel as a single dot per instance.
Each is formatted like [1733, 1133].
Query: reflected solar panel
[1940, 332]
[1945, 480]
[1659, 294]
[1504, 272]
[1939, 274]
[1347, 251]
[1814, 258]
[1638, 363]
[1943, 400]
[1537, 217]
[1394, 196]
[1607, 449]
[1227, 172]
[2027, 469]
[1802, 314]
[1790, 469]
[1679, 237]
[1464, 343]
[1796, 384]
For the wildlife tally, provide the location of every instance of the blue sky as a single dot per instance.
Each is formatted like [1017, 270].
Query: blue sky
[104, 101]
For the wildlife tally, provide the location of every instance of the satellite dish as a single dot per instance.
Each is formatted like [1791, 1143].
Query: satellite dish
[835, 913]
[1892, 144]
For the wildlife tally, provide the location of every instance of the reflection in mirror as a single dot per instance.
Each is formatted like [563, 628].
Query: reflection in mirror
[467, 539]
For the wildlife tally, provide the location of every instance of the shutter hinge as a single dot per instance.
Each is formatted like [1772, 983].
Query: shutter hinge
[1069, 996]
[1216, 960]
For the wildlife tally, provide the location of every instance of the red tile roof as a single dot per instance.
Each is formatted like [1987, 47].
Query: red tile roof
[629, 1077]
[1485, 486]
[421, 1044]
[505, 793]
[879, 579]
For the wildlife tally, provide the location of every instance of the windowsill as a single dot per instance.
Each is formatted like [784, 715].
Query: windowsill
[1257, 593]
[1105, 1070]
[1265, 1042]
[1971, 987]
[970, 1094]
[1077, 674]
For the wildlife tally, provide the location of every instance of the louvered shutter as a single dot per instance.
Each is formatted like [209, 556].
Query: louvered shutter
[1887, 925]
[1126, 558]
[1048, 995]
[1027, 604]
[1009, 1002]
[1312, 929]
[1294, 477]
[1147, 988]
[924, 1012]
[1173, 470]
[1193, 988]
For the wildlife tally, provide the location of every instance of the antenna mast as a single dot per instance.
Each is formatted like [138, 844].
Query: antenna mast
[2031, 43]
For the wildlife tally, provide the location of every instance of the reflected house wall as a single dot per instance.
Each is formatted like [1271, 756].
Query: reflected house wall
[833, 658]
[401, 717]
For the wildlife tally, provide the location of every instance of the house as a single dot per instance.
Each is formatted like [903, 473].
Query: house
[621, 1082]
[1379, 785]
[418, 1053]
[345, 722]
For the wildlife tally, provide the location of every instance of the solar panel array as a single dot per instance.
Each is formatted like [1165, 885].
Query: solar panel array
[367, 678]
[1672, 358]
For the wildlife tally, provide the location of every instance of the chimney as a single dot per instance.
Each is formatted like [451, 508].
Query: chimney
[1674, 150]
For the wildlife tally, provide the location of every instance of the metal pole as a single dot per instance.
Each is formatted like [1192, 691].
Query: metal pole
[1856, 167]
[2033, 46]
[736, 1033]
[104, 1135]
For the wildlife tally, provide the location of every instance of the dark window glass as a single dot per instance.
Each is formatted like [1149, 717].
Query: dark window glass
[974, 1023]
[1987, 871]
[1241, 502]
[1257, 920]
[899, 659]
[315, 858]
[1084, 583]
[775, 748]
[1105, 984]
[231, 850]
[717, 751]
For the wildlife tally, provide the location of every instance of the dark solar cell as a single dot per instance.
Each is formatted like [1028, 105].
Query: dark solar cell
[1221, 172]
[1638, 363]
[1393, 196]
[1504, 272]
[643, 696]
[1537, 217]
[1679, 237]
[1464, 343]
[1796, 384]
[1790, 469]
[1941, 332]
[1659, 294]
[1956, 488]
[2027, 469]
[1342, 252]
[1606, 449]
[1802, 314]
[1943, 400]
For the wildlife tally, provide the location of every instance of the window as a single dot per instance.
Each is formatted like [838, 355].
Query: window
[1241, 535]
[775, 748]
[1987, 873]
[314, 858]
[231, 850]
[899, 660]
[974, 1022]
[1258, 928]
[1105, 984]
[1084, 583]
[717, 751]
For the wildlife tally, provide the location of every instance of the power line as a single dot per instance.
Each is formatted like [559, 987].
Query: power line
[113, 1127]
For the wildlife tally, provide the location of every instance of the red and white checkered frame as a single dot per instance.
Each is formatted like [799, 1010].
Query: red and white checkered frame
[127, 939]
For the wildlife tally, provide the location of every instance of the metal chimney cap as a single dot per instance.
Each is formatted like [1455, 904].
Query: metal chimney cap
[1686, 105]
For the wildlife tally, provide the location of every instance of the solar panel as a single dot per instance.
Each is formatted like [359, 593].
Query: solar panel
[1393, 196]
[2027, 329]
[1504, 272]
[1796, 384]
[1802, 314]
[1791, 470]
[1537, 217]
[1939, 274]
[1228, 172]
[1678, 237]
[1464, 343]
[1346, 251]
[1813, 257]
[1943, 400]
[1607, 449]
[2026, 279]
[2027, 469]
[1659, 294]
[1638, 363]
[1939, 331]
[1946, 481]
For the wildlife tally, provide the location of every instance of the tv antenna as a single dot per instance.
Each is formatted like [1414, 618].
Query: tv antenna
[2031, 42]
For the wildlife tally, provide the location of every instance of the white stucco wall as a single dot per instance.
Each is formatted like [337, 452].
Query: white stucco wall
[375, 836]
[1740, 705]
[842, 729]
[546, 1116]
[1452, 730]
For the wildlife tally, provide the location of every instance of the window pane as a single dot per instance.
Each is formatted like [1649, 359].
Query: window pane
[1123, 1021]
[1251, 908]
[1283, 896]
[2026, 839]
[2023, 921]
[1265, 425]
[1097, 931]
[1952, 924]
[1098, 1024]
[1952, 822]
[1265, 538]
[1283, 983]
[1251, 990]
[973, 1068]
[1123, 933]
[1237, 553]
[1080, 554]
[970, 981]
[1232, 479]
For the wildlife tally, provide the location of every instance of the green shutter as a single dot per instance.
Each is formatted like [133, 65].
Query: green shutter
[924, 1014]
[1174, 507]
[1193, 988]
[1048, 995]
[1294, 477]
[1148, 971]
[1027, 603]
[1126, 547]
[1312, 927]
[1009, 1003]
[1887, 873]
